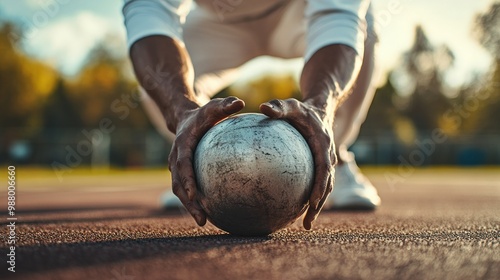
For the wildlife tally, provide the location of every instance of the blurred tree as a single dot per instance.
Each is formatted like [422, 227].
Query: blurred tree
[485, 116]
[420, 82]
[50, 111]
[60, 111]
[103, 89]
[104, 92]
[25, 85]
[487, 30]
[383, 114]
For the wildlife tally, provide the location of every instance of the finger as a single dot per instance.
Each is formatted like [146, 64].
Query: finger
[232, 105]
[219, 109]
[186, 177]
[312, 213]
[184, 167]
[192, 206]
[273, 109]
[323, 167]
[320, 185]
[329, 189]
[291, 110]
[324, 162]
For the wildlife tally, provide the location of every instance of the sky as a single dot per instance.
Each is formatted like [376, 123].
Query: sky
[61, 32]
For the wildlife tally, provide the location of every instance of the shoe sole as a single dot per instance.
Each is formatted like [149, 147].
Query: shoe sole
[359, 208]
[355, 204]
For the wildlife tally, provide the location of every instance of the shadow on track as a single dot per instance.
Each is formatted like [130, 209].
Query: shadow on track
[91, 214]
[40, 258]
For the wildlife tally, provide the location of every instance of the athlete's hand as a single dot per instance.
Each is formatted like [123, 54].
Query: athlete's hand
[194, 124]
[316, 126]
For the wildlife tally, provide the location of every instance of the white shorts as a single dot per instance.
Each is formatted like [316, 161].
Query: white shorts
[217, 48]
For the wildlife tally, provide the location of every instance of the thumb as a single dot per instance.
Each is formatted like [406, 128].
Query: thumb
[283, 109]
[274, 109]
[220, 108]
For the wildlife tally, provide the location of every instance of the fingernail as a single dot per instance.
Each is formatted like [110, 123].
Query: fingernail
[230, 101]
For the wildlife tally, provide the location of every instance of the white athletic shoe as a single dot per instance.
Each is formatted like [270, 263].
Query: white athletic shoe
[168, 201]
[352, 190]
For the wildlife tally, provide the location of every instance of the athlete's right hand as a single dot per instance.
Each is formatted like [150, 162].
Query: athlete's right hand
[190, 129]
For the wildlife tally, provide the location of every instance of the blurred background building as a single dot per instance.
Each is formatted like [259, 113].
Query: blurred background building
[68, 96]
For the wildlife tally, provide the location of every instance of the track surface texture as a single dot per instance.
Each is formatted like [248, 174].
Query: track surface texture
[433, 224]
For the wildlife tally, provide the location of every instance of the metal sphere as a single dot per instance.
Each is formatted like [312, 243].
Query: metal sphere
[254, 174]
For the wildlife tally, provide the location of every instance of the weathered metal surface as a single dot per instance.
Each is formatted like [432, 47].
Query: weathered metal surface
[254, 174]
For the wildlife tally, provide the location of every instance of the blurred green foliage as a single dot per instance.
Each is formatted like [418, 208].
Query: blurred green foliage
[35, 99]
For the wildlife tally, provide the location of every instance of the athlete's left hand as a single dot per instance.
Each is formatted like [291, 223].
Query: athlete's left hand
[315, 124]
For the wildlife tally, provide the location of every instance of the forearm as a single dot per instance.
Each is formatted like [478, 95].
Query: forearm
[164, 70]
[328, 76]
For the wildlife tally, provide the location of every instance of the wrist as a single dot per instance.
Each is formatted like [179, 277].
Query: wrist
[325, 104]
[324, 94]
[177, 110]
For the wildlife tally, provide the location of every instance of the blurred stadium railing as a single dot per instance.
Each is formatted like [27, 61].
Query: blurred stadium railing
[135, 148]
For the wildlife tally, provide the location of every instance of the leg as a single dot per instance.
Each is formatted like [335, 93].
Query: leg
[352, 189]
[352, 113]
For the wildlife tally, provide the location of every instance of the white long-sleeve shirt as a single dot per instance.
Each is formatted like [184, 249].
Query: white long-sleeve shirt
[328, 21]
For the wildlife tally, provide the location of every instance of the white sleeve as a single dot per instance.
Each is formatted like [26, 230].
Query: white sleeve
[154, 17]
[336, 22]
